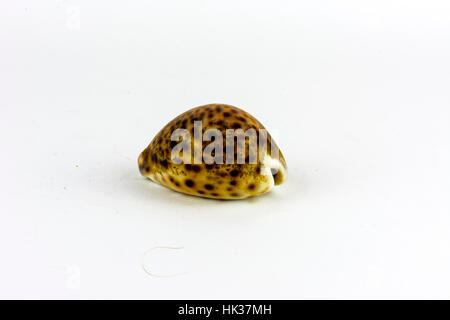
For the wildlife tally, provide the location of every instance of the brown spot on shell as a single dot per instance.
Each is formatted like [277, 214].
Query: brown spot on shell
[234, 173]
[165, 163]
[190, 183]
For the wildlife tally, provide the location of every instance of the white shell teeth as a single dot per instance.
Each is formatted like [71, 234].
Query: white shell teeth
[273, 164]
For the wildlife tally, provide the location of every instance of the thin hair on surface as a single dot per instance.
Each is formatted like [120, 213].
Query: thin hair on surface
[160, 275]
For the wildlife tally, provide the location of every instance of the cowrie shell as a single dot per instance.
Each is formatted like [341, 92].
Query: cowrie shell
[193, 164]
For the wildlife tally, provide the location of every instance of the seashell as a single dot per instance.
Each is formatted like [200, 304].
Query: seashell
[229, 170]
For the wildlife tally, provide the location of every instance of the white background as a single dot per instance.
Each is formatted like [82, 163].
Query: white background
[358, 91]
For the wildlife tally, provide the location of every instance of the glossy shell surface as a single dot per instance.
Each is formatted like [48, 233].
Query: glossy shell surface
[218, 181]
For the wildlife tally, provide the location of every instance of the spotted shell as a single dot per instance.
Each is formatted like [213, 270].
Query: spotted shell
[218, 181]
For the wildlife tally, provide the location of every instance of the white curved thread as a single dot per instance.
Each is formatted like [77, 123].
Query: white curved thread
[160, 275]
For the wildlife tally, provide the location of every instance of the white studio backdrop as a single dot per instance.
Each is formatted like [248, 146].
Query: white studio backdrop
[358, 92]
